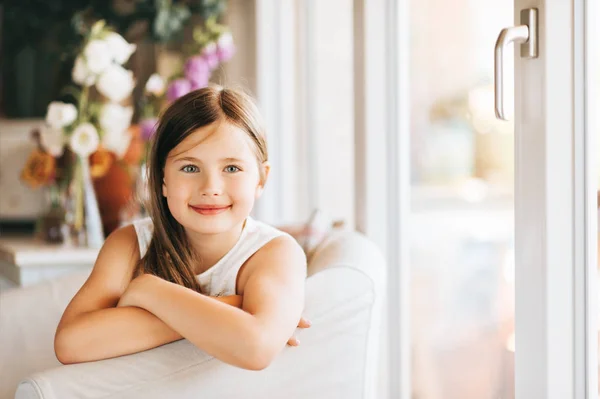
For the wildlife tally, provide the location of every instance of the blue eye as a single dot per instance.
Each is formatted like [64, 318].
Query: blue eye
[232, 169]
[189, 169]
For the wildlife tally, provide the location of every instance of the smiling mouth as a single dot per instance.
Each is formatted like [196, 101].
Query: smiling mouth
[210, 209]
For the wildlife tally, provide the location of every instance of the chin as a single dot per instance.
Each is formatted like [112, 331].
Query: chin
[213, 224]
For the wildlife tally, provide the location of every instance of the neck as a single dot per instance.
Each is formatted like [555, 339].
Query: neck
[210, 248]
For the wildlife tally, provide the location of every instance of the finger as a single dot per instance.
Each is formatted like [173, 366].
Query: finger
[293, 341]
[304, 323]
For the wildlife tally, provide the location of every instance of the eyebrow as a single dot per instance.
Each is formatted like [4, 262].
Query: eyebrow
[193, 159]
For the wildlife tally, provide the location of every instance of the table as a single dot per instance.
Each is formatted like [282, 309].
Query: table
[25, 260]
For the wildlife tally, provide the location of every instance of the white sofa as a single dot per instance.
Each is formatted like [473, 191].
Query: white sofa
[337, 358]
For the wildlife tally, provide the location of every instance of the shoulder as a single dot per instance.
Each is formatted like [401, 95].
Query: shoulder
[119, 255]
[279, 252]
[122, 238]
[282, 254]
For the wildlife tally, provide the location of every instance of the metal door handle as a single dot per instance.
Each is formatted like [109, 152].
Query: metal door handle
[527, 35]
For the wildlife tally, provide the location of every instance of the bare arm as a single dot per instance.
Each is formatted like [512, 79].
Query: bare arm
[97, 326]
[248, 338]
[112, 332]
[93, 327]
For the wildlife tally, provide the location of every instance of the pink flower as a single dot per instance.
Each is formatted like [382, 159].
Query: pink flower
[197, 70]
[199, 85]
[178, 88]
[225, 47]
[209, 53]
[148, 127]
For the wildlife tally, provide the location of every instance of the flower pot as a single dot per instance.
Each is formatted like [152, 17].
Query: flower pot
[114, 190]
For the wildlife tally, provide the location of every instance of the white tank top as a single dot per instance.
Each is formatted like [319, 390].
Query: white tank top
[220, 279]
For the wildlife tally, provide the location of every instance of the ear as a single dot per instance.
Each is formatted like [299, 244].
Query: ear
[164, 188]
[266, 167]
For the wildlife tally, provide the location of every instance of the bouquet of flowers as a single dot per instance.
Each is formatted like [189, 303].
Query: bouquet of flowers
[80, 141]
[212, 46]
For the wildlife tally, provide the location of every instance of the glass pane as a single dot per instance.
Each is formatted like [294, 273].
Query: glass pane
[462, 258]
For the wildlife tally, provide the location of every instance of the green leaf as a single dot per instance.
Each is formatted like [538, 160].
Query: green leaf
[73, 90]
[97, 28]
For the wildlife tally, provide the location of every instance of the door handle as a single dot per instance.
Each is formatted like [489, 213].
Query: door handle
[527, 35]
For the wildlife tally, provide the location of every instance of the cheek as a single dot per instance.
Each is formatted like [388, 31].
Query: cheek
[242, 189]
[177, 189]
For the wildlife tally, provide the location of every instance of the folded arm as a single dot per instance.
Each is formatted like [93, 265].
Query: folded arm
[118, 331]
[250, 337]
[93, 328]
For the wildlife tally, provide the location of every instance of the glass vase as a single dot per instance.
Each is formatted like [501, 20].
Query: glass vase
[82, 215]
[50, 224]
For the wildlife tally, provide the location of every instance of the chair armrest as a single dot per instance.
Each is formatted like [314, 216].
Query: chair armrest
[28, 320]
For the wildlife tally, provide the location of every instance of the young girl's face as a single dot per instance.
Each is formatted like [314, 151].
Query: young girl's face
[211, 179]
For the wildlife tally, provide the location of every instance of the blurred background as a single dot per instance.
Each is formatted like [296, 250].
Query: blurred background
[461, 224]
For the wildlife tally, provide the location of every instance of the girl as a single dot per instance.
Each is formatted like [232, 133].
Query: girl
[199, 267]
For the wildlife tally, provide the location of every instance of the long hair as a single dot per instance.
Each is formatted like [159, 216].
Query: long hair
[170, 255]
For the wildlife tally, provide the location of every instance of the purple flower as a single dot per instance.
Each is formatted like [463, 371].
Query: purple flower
[197, 70]
[209, 53]
[148, 127]
[225, 47]
[199, 85]
[178, 88]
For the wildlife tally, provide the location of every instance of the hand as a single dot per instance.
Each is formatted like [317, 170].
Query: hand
[129, 297]
[303, 323]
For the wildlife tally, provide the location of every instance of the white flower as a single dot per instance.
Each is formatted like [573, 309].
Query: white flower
[116, 83]
[225, 40]
[155, 85]
[81, 74]
[60, 114]
[120, 49]
[52, 140]
[84, 140]
[115, 117]
[97, 56]
[117, 142]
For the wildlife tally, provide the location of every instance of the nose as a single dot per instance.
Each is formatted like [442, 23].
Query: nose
[211, 185]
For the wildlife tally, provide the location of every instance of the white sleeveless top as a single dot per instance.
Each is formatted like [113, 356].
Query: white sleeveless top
[220, 279]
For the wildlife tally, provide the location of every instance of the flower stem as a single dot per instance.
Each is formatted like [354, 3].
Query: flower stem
[83, 100]
[78, 195]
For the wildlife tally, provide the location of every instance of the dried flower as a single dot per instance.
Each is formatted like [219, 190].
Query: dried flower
[100, 162]
[40, 169]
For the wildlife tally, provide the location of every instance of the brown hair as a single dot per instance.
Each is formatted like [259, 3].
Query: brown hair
[169, 254]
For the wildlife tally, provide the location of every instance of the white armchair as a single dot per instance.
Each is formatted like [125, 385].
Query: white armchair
[338, 357]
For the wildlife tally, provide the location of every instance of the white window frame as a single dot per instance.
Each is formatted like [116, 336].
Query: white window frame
[276, 60]
[555, 209]
[382, 165]
[382, 160]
